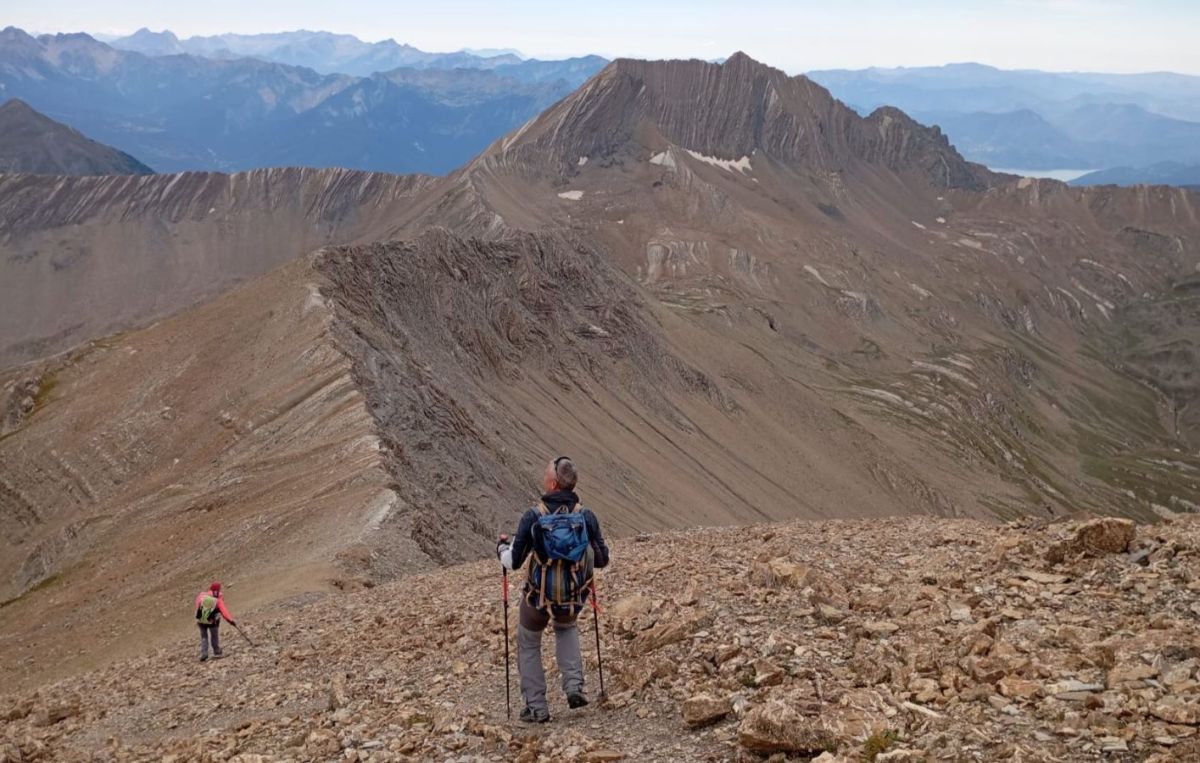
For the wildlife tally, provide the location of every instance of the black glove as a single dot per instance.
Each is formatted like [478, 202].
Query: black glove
[233, 623]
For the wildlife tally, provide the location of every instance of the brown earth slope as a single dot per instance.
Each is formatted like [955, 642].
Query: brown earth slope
[729, 297]
[919, 638]
[229, 442]
[84, 257]
[34, 143]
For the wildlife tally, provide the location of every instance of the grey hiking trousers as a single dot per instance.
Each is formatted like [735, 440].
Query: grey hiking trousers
[210, 632]
[530, 625]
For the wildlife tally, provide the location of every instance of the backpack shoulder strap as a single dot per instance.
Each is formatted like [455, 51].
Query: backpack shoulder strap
[542, 509]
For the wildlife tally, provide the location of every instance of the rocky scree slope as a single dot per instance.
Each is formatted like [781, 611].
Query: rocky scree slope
[34, 143]
[896, 640]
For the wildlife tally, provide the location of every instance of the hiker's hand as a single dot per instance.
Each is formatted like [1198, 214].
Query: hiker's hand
[504, 554]
[233, 623]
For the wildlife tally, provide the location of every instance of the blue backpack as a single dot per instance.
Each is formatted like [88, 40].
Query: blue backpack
[559, 581]
[564, 533]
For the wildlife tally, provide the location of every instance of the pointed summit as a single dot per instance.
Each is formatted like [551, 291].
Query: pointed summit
[739, 108]
[151, 43]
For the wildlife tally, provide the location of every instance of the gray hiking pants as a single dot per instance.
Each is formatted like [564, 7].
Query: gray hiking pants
[530, 625]
[212, 632]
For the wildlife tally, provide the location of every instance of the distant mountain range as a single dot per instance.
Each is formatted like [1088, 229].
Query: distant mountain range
[1041, 120]
[189, 112]
[317, 99]
[1163, 173]
[33, 143]
[330, 53]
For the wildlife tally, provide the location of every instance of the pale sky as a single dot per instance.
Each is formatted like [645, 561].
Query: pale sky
[1057, 35]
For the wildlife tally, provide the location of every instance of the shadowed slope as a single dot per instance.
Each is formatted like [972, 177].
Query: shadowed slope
[34, 143]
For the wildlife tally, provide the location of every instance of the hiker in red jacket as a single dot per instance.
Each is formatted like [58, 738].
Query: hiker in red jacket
[210, 608]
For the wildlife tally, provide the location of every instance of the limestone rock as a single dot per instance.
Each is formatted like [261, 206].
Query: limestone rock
[705, 709]
[767, 673]
[669, 632]
[1175, 710]
[1105, 535]
[630, 607]
[776, 727]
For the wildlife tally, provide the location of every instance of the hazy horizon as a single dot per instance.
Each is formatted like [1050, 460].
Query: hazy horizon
[1105, 35]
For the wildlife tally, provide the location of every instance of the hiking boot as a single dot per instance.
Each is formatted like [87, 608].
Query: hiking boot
[576, 700]
[535, 715]
[204, 658]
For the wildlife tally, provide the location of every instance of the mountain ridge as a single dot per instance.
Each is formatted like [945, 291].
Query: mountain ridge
[332, 53]
[33, 143]
[222, 113]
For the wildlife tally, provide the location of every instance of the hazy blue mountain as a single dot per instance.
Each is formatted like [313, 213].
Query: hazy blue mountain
[1163, 173]
[179, 112]
[1013, 139]
[1122, 133]
[1039, 120]
[331, 53]
[965, 88]
[144, 41]
[407, 120]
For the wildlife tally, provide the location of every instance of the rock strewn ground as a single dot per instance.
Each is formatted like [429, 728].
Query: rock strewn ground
[906, 639]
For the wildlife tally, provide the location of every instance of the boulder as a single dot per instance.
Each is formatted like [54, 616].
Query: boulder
[775, 727]
[339, 696]
[767, 673]
[1019, 688]
[789, 573]
[830, 614]
[670, 631]
[58, 711]
[630, 607]
[880, 627]
[1177, 711]
[704, 709]
[1130, 673]
[1106, 535]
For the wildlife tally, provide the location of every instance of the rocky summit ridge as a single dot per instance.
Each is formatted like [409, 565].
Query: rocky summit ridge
[739, 108]
[910, 639]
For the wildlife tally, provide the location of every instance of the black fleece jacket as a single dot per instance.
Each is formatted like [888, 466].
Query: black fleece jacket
[529, 536]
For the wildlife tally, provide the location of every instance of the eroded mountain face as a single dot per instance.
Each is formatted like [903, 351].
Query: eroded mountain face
[726, 295]
[1028, 332]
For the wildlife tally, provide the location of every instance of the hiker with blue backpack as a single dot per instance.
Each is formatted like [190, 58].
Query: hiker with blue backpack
[563, 543]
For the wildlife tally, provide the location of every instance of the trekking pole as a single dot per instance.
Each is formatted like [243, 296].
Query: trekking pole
[596, 622]
[243, 635]
[507, 672]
